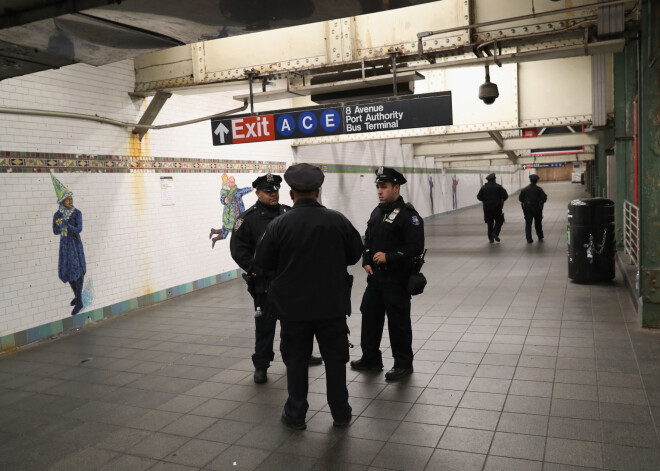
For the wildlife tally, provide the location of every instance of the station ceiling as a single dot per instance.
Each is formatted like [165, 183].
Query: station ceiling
[37, 35]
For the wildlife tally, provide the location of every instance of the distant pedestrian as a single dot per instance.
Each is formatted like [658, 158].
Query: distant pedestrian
[532, 198]
[493, 195]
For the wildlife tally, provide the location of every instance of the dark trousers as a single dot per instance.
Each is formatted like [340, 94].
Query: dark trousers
[537, 217]
[297, 338]
[77, 287]
[386, 295]
[494, 218]
[264, 335]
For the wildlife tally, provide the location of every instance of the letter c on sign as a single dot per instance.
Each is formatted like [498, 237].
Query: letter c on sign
[307, 122]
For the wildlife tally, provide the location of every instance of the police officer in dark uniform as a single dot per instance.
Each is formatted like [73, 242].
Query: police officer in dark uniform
[532, 198]
[395, 235]
[308, 249]
[248, 228]
[493, 195]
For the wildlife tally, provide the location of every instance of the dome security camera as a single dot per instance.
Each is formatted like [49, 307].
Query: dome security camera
[488, 91]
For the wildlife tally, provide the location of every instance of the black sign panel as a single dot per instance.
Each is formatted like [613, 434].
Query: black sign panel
[389, 114]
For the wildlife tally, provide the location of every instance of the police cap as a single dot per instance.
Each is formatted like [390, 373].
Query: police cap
[268, 182]
[304, 177]
[490, 177]
[533, 178]
[387, 174]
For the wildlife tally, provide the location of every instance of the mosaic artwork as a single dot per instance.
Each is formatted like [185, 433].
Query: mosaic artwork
[232, 199]
[68, 224]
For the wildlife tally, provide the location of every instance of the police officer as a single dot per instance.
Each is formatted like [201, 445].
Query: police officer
[532, 198]
[493, 195]
[308, 249]
[248, 228]
[395, 235]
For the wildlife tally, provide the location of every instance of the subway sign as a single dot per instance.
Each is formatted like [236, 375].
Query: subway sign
[388, 114]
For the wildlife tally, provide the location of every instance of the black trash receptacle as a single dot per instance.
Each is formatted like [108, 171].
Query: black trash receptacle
[591, 240]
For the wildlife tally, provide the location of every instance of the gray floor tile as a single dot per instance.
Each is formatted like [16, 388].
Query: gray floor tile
[463, 439]
[402, 457]
[626, 458]
[475, 418]
[238, 456]
[513, 445]
[450, 460]
[500, 463]
[573, 452]
[196, 453]
[411, 433]
[575, 429]
[523, 423]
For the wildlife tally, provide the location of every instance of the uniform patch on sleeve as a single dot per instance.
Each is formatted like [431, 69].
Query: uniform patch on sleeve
[238, 224]
[415, 220]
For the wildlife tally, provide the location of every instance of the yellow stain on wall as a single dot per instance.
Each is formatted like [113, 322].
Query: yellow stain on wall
[139, 193]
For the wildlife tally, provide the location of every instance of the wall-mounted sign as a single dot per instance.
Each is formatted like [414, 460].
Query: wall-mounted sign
[416, 111]
[167, 191]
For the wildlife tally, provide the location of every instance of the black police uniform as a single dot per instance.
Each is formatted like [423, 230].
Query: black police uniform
[493, 196]
[248, 229]
[397, 230]
[532, 199]
[308, 249]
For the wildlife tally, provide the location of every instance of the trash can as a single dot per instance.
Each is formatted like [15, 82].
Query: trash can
[590, 234]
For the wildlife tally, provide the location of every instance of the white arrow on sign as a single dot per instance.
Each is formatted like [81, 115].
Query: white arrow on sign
[221, 130]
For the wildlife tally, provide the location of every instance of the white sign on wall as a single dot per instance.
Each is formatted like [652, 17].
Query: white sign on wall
[167, 191]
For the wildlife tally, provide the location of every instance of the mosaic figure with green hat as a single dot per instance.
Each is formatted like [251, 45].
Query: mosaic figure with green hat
[68, 224]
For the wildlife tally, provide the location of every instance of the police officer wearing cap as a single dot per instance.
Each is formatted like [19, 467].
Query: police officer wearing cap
[395, 235]
[248, 228]
[493, 195]
[308, 250]
[532, 198]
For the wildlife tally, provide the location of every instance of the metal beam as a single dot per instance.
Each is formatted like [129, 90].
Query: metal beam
[511, 144]
[149, 116]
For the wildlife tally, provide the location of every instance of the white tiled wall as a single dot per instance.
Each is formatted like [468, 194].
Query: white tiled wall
[133, 244]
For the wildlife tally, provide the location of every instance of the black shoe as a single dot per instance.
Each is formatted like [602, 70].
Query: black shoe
[362, 365]
[540, 239]
[260, 375]
[530, 241]
[292, 423]
[314, 360]
[77, 309]
[491, 241]
[74, 301]
[398, 373]
[343, 422]
[497, 238]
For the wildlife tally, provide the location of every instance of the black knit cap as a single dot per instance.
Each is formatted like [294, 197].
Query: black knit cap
[491, 176]
[268, 182]
[304, 177]
[534, 178]
[388, 174]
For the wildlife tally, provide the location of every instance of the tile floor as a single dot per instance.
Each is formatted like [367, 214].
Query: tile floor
[516, 368]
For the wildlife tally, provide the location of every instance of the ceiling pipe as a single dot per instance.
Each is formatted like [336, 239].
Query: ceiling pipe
[114, 122]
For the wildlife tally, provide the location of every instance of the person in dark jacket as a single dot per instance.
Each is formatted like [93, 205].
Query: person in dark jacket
[247, 230]
[394, 236]
[532, 198]
[493, 195]
[308, 250]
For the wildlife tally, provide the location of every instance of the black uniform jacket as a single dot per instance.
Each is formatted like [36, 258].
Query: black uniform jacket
[248, 229]
[532, 197]
[493, 195]
[308, 248]
[396, 229]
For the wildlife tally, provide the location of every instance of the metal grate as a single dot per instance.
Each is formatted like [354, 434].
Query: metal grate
[631, 231]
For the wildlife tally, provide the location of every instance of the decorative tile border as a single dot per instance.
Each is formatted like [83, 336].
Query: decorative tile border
[36, 162]
[24, 337]
[333, 168]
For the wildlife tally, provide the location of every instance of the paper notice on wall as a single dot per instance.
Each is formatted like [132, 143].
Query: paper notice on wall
[167, 191]
[361, 182]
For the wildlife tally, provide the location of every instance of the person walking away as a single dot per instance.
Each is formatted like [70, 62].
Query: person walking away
[493, 195]
[532, 198]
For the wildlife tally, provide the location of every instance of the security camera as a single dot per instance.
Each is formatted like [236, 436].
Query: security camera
[488, 91]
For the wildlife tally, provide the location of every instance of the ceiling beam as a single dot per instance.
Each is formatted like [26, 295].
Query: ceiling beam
[512, 144]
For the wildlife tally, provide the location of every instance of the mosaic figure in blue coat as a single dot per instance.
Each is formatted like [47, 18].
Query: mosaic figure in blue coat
[68, 224]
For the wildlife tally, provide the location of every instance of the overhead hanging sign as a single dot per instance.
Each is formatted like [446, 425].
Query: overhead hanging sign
[416, 111]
